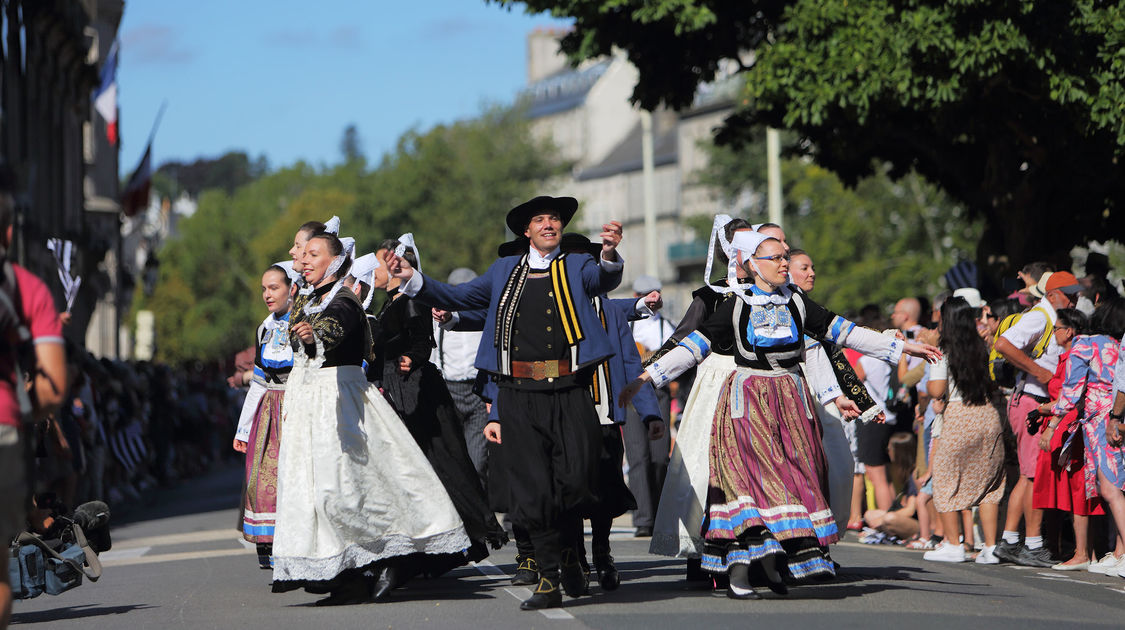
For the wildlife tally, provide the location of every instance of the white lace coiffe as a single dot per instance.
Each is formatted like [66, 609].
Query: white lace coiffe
[337, 262]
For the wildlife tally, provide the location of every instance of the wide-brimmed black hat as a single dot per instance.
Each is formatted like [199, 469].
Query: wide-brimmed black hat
[520, 216]
[570, 242]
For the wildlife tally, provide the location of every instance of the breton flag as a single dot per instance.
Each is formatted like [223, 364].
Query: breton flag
[134, 198]
[105, 97]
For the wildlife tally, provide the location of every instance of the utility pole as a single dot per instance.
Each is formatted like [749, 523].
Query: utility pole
[773, 167]
[651, 267]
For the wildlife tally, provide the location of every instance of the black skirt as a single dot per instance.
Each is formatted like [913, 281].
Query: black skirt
[423, 401]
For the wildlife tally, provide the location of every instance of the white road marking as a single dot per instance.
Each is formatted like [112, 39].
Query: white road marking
[1059, 578]
[179, 539]
[175, 557]
[491, 570]
[119, 554]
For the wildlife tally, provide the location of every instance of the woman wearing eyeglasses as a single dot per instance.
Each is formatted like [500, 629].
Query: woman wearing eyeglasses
[768, 468]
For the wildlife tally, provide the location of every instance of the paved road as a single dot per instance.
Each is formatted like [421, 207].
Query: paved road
[179, 564]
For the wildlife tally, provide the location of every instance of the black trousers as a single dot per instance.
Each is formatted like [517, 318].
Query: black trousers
[552, 443]
[614, 499]
[648, 460]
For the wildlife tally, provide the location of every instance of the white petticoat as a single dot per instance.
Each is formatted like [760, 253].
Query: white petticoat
[353, 486]
[683, 500]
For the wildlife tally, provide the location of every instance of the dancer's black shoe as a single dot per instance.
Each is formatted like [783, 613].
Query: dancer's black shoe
[574, 580]
[527, 571]
[547, 595]
[773, 577]
[608, 577]
[386, 581]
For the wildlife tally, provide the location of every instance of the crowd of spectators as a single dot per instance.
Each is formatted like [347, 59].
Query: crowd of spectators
[1043, 360]
[128, 427]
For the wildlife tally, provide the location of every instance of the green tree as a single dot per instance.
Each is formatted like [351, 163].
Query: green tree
[878, 241]
[450, 185]
[1014, 108]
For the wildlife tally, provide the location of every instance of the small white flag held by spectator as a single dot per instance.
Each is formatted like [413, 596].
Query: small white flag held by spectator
[64, 252]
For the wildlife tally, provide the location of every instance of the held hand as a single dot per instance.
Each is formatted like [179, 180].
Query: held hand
[440, 316]
[847, 407]
[929, 336]
[397, 266]
[404, 364]
[492, 432]
[1045, 438]
[655, 430]
[628, 392]
[1113, 433]
[923, 350]
[239, 445]
[880, 418]
[611, 238]
[304, 332]
[654, 301]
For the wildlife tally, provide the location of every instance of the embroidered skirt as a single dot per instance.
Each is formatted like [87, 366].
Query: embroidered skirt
[261, 469]
[768, 474]
[353, 486]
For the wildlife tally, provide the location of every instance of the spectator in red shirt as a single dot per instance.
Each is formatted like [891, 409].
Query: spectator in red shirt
[47, 386]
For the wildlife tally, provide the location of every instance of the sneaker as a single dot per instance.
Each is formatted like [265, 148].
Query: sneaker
[987, 556]
[1108, 565]
[1006, 551]
[1040, 557]
[1120, 570]
[946, 552]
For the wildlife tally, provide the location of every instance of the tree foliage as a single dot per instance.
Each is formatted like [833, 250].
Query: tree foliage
[451, 186]
[1016, 108]
[878, 241]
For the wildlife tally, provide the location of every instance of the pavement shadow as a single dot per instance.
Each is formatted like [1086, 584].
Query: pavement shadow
[219, 489]
[74, 612]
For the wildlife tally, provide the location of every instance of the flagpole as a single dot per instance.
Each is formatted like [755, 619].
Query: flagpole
[156, 122]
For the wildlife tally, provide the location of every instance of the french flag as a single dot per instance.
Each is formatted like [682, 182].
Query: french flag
[105, 97]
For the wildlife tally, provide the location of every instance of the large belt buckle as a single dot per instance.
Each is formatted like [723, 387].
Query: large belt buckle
[541, 370]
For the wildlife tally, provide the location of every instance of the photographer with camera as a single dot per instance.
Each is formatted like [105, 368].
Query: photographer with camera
[32, 346]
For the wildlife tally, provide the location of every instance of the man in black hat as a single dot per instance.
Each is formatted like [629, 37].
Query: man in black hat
[542, 341]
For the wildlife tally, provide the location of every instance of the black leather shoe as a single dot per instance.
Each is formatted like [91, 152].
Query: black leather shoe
[527, 573]
[354, 592]
[547, 595]
[385, 583]
[608, 577]
[573, 578]
[773, 577]
[738, 586]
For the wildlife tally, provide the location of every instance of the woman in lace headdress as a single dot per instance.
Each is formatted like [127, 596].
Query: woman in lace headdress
[766, 505]
[354, 490]
[259, 427]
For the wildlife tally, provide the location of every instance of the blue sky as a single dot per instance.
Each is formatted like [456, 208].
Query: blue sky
[279, 79]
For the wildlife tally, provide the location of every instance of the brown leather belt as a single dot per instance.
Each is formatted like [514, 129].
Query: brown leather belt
[541, 370]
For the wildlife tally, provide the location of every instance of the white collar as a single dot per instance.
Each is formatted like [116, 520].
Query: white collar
[758, 297]
[538, 261]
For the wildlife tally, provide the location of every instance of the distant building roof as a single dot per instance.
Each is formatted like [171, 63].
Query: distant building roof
[626, 157]
[562, 91]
